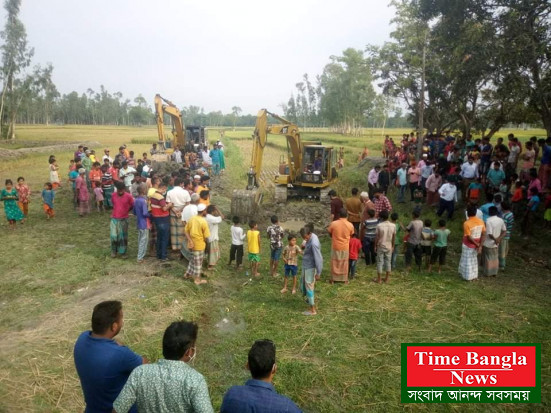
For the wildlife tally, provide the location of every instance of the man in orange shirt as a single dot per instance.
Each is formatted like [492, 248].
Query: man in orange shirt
[474, 233]
[340, 230]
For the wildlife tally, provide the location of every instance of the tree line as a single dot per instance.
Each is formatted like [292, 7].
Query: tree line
[471, 65]
[485, 64]
[29, 95]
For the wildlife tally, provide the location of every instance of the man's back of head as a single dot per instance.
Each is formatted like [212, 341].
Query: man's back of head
[178, 339]
[258, 393]
[105, 314]
[262, 359]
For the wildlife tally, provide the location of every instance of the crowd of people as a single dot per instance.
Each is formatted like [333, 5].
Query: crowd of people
[495, 185]
[116, 379]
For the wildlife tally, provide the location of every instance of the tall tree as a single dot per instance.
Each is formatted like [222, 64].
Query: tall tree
[16, 58]
[347, 93]
[526, 32]
[236, 111]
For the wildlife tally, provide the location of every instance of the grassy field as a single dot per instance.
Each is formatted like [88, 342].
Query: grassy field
[347, 359]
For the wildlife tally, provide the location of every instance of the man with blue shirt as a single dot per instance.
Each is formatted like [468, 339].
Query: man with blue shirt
[258, 394]
[403, 182]
[102, 363]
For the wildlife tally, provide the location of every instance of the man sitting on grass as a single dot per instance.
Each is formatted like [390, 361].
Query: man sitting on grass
[103, 364]
[258, 394]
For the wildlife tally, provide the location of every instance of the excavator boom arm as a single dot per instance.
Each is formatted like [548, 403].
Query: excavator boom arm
[260, 138]
[163, 106]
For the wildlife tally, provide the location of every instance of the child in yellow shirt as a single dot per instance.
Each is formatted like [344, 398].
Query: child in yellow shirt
[253, 246]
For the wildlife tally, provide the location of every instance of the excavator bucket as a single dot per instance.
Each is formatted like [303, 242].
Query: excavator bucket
[245, 203]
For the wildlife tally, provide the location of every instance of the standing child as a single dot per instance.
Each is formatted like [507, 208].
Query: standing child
[275, 235]
[107, 187]
[83, 195]
[54, 176]
[143, 221]
[427, 235]
[24, 194]
[9, 196]
[48, 195]
[440, 245]
[474, 190]
[253, 245]
[98, 193]
[237, 238]
[290, 258]
[73, 175]
[354, 248]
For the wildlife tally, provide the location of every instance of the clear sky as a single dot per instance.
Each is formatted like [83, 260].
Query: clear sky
[211, 53]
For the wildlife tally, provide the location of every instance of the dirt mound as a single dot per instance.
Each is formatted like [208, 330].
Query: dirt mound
[295, 214]
[16, 153]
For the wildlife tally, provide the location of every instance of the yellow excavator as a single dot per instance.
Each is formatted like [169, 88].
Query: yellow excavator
[164, 106]
[188, 138]
[308, 171]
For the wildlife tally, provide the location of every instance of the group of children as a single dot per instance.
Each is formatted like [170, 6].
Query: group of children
[17, 199]
[275, 234]
[417, 239]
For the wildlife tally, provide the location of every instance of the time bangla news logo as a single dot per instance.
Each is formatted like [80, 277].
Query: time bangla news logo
[471, 373]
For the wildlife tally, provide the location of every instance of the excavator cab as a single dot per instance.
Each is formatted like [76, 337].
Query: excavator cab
[314, 164]
[318, 165]
[195, 138]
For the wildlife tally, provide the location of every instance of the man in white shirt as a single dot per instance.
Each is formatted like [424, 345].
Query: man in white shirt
[106, 156]
[127, 174]
[469, 172]
[514, 152]
[179, 198]
[448, 198]
[146, 169]
[495, 231]
[372, 179]
[177, 155]
[207, 161]
[189, 211]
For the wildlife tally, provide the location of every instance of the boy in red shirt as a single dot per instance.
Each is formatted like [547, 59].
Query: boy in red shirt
[354, 248]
